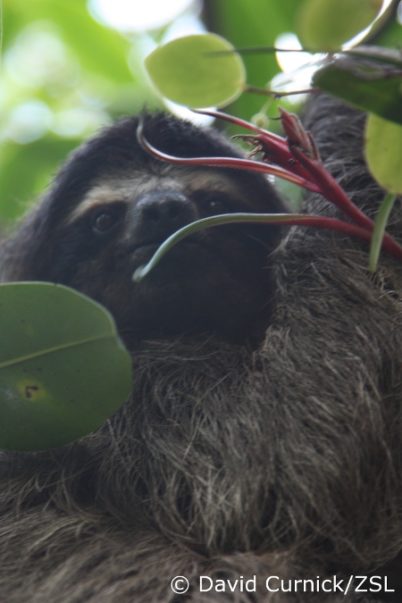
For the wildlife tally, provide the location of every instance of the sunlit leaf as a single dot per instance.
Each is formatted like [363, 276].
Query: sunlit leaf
[383, 151]
[63, 370]
[371, 85]
[327, 24]
[190, 71]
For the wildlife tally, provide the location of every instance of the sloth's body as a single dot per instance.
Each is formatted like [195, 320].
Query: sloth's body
[231, 458]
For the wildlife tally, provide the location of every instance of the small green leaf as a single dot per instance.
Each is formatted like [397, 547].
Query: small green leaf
[383, 151]
[371, 85]
[190, 71]
[63, 369]
[327, 24]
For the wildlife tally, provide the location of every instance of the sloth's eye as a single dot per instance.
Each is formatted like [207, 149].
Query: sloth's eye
[104, 220]
[211, 202]
[215, 206]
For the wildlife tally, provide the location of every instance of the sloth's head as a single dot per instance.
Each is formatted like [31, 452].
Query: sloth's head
[110, 207]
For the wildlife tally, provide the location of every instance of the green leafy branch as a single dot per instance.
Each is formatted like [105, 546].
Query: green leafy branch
[205, 70]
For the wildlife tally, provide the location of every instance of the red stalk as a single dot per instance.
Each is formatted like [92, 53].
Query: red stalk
[274, 146]
[226, 162]
[331, 190]
[299, 153]
[389, 244]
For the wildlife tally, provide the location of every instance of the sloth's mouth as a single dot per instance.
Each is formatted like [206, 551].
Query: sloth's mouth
[152, 246]
[185, 251]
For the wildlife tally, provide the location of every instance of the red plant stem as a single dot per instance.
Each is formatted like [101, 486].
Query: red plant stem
[335, 193]
[388, 244]
[250, 218]
[269, 141]
[326, 184]
[275, 154]
[227, 162]
[323, 183]
[332, 190]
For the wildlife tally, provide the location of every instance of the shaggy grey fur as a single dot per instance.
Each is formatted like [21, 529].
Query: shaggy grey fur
[283, 460]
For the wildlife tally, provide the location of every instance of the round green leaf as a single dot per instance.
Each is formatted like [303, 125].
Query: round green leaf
[327, 24]
[63, 369]
[190, 71]
[383, 151]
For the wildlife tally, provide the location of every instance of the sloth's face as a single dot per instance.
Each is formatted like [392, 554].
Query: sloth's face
[216, 281]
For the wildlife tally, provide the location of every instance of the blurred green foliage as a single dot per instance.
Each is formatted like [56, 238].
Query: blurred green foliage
[64, 75]
[248, 24]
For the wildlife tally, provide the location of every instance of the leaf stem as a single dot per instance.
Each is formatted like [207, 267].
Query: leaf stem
[242, 218]
[236, 163]
[330, 189]
[379, 230]
[335, 193]
[277, 93]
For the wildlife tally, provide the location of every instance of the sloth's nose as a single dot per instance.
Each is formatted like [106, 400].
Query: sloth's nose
[158, 214]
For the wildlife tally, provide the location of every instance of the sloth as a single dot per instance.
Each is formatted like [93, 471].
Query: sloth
[112, 205]
[261, 441]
